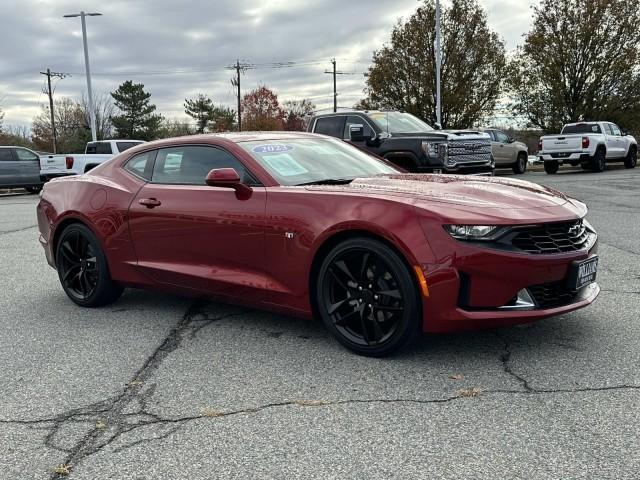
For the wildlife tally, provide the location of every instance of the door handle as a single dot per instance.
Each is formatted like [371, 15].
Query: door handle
[150, 202]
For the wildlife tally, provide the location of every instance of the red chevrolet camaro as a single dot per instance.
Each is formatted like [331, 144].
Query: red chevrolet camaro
[308, 225]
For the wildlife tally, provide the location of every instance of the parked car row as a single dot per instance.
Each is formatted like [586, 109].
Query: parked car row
[589, 144]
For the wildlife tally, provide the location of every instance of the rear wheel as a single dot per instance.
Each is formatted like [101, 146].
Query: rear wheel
[632, 158]
[367, 298]
[521, 164]
[82, 268]
[599, 161]
[551, 167]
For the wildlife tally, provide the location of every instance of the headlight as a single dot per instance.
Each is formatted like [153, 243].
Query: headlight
[433, 149]
[474, 232]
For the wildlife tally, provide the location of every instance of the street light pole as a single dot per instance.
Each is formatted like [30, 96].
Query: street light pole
[92, 113]
[438, 66]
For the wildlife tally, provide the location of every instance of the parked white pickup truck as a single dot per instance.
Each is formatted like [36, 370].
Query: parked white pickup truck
[590, 144]
[95, 153]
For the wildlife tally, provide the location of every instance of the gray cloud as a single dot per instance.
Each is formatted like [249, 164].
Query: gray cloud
[179, 48]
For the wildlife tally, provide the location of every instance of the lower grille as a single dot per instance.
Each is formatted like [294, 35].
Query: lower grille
[551, 295]
[553, 238]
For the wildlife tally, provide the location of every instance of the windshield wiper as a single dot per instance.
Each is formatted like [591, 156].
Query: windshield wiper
[328, 181]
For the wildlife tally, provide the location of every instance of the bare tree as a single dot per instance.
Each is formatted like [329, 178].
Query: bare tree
[71, 126]
[104, 109]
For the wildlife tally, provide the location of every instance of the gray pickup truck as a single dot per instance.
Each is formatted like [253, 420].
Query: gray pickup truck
[20, 168]
[409, 142]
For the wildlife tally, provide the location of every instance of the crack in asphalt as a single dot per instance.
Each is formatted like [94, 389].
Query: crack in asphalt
[631, 252]
[6, 232]
[108, 420]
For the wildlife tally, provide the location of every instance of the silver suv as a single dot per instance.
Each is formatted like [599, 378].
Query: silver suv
[20, 167]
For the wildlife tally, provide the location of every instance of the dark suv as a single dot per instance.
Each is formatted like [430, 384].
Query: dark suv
[409, 142]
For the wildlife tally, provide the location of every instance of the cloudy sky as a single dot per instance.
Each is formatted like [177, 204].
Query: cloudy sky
[180, 48]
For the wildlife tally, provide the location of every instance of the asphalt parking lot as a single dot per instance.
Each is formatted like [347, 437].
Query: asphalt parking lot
[162, 387]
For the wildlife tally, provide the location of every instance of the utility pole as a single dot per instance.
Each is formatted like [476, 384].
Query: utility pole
[92, 113]
[335, 90]
[239, 68]
[239, 100]
[49, 92]
[438, 65]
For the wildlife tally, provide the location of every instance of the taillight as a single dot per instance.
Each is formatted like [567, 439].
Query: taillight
[585, 142]
[69, 161]
[540, 144]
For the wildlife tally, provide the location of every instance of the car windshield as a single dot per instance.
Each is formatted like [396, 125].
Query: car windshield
[298, 161]
[582, 128]
[397, 122]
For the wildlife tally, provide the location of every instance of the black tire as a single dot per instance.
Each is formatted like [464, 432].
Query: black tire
[521, 164]
[551, 166]
[367, 298]
[82, 268]
[599, 161]
[585, 166]
[34, 190]
[631, 159]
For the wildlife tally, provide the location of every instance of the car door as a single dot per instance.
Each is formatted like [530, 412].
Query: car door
[29, 166]
[611, 141]
[192, 235]
[620, 148]
[503, 149]
[368, 132]
[9, 168]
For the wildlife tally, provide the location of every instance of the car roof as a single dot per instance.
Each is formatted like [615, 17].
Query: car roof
[237, 137]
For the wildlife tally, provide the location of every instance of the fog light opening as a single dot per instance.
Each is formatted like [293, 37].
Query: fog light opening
[522, 301]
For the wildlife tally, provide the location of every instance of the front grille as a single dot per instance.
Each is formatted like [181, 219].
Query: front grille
[553, 238]
[552, 295]
[469, 151]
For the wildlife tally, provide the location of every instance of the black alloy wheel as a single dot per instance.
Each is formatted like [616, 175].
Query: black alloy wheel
[521, 164]
[367, 298]
[82, 268]
[631, 159]
[599, 161]
[551, 166]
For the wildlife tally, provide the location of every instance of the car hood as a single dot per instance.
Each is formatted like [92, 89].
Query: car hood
[458, 196]
[445, 135]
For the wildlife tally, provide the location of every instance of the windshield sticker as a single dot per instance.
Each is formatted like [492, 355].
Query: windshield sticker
[272, 148]
[285, 165]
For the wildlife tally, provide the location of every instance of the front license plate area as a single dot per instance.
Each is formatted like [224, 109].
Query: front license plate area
[582, 273]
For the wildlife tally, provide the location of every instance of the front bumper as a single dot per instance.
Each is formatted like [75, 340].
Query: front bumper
[470, 288]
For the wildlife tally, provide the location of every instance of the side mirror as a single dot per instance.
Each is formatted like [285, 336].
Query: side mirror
[356, 133]
[511, 139]
[437, 126]
[228, 178]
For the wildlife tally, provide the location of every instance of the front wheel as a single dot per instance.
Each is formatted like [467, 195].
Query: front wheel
[632, 158]
[551, 167]
[521, 164]
[83, 269]
[367, 298]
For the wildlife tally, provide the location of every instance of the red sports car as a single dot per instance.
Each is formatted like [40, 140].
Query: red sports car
[311, 226]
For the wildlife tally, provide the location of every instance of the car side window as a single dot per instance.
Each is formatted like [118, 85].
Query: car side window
[501, 137]
[615, 130]
[607, 129]
[332, 126]
[25, 155]
[353, 120]
[6, 155]
[189, 165]
[141, 165]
